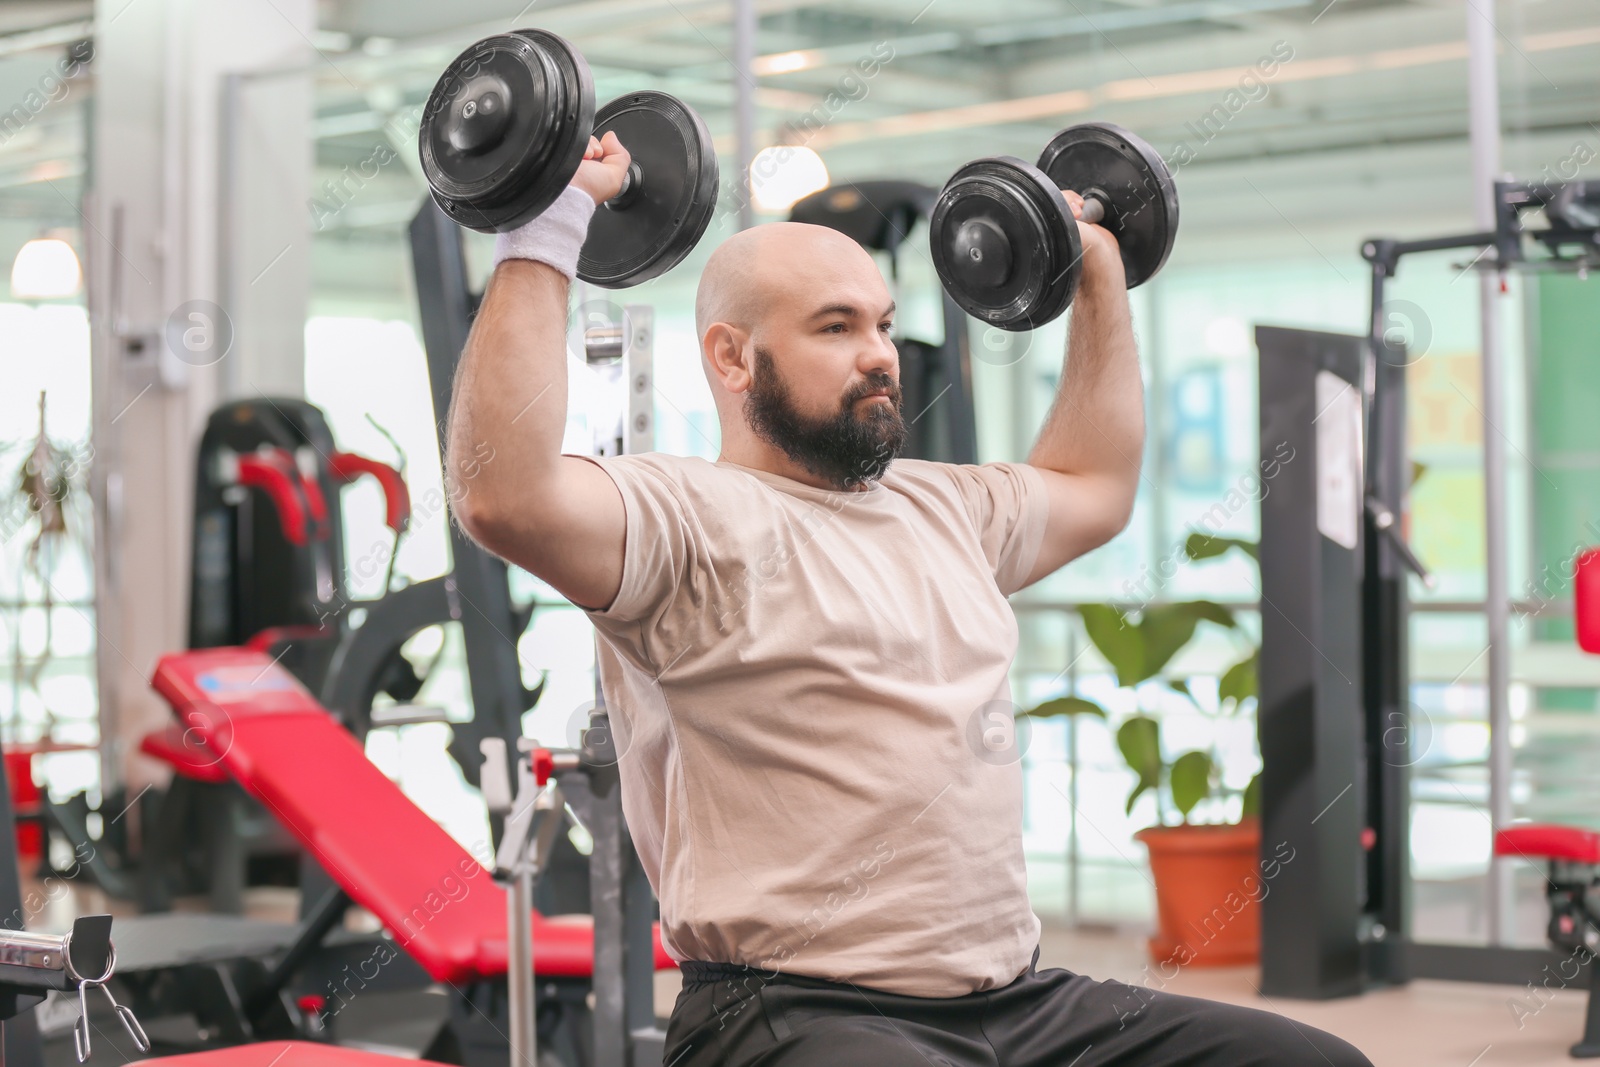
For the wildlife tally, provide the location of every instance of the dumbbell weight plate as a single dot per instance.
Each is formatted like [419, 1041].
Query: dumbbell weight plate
[651, 227]
[1005, 244]
[505, 128]
[1142, 201]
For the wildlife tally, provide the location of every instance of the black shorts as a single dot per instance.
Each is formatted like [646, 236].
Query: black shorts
[730, 1016]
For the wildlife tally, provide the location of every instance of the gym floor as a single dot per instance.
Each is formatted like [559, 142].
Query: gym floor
[1424, 1024]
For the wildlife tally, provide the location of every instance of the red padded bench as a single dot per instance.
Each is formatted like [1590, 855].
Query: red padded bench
[1572, 860]
[287, 751]
[1546, 841]
[185, 754]
[285, 1054]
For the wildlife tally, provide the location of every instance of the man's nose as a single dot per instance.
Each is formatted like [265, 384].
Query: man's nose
[881, 356]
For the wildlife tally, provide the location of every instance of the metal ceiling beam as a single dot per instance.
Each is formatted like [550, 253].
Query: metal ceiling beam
[53, 36]
[1100, 23]
[1079, 100]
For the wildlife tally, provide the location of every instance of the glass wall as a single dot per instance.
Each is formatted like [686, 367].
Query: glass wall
[47, 623]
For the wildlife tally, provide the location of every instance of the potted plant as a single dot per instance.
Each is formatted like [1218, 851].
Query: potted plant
[1202, 860]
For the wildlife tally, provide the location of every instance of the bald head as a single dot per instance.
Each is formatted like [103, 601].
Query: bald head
[760, 270]
[795, 338]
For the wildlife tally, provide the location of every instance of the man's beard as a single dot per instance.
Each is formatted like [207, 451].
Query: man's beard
[846, 449]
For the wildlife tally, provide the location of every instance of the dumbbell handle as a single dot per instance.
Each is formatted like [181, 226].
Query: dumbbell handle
[1094, 209]
[631, 181]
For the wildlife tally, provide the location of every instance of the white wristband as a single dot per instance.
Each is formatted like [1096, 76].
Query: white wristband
[554, 237]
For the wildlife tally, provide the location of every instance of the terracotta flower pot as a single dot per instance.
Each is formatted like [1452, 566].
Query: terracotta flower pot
[1208, 889]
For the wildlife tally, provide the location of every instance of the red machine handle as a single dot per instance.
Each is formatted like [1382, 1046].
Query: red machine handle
[346, 467]
[272, 636]
[1586, 599]
[283, 488]
[310, 488]
[316, 503]
[544, 764]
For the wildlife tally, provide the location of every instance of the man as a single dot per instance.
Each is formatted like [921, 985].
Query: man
[805, 650]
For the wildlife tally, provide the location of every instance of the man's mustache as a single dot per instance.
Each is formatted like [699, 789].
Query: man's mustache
[872, 387]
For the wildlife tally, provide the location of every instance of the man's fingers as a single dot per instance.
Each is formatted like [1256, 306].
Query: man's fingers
[594, 149]
[613, 147]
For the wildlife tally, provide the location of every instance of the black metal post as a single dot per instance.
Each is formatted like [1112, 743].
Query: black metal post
[476, 588]
[1310, 703]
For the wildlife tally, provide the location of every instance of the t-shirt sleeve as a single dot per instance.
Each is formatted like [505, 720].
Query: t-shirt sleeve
[655, 557]
[1009, 505]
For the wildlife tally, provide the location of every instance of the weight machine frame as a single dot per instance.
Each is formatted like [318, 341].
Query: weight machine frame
[1334, 709]
[626, 1031]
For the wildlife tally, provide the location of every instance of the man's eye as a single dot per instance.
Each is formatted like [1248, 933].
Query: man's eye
[837, 327]
[885, 326]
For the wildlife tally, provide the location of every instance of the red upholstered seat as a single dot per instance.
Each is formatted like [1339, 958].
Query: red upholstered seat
[283, 1054]
[1545, 841]
[391, 858]
[186, 753]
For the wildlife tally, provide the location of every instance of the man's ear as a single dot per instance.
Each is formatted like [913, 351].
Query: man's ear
[725, 352]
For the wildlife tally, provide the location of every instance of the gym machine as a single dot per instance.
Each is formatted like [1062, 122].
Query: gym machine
[1334, 714]
[34, 965]
[267, 566]
[622, 355]
[473, 147]
[84, 958]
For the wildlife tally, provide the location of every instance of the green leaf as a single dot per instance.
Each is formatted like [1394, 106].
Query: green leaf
[1165, 628]
[1116, 639]
[1239, 681]
[1066, 706]
[1190, 779]
[1417, 471]
[1252, 799]
[1133, 797]
[1180, 685]
[1211, 611]
[1139, 741]
[1205, 546]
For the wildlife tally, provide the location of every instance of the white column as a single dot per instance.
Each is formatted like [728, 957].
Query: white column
[161, 330]
[1483, 96]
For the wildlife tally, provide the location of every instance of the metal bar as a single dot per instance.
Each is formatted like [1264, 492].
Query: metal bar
[744, 101]
[519, 972]
[1483, 97]
[1439, 244]
[1386, 675]
[476, 589]
[1536, 609]
[959, 416]
[227, 182]
[1036, 29]
[52, 36]
[607, 886]
[1074, 852]
[328, 913]
[1476, 963]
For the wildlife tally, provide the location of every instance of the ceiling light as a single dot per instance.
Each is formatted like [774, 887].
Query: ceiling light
[45, 269]
[785, 62]
[782, 174]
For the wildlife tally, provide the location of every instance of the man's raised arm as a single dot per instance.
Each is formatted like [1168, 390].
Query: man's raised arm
[1090, 448]
[511, 490]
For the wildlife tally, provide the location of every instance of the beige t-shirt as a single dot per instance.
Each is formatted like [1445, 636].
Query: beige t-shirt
[800, 681]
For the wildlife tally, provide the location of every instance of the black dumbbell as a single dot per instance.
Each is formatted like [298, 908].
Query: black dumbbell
[507, 124]
[1005, 243]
